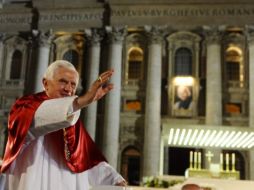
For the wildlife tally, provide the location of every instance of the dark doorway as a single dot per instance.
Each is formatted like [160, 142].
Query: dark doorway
[239, 162]
[131, 166]
[178, 159]
[133, 170]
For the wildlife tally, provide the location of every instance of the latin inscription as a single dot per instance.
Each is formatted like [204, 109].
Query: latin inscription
[184, 12]
[11, 19]
[134, 12]
[52, 17]
[67, 17]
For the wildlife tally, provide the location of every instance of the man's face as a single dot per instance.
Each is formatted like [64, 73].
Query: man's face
[64, 83]
[183, 95]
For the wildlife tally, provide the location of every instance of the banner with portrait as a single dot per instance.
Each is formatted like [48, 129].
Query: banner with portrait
[183, 104]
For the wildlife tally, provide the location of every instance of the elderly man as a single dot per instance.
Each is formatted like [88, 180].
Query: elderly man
[47, 147]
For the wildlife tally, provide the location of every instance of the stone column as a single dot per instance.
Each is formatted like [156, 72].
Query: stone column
[43, 60]
[93, 73]
[153, 105]
[213, 80]
[251, 98]
[1, 53]
[213, 85]
[3, 128]
[112, 102]
[3, 123]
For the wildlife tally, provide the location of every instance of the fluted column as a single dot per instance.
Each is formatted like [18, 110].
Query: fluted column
[213, 79]
[43, 60]
[251, 97]
[153, 104]
[112, 103]
[93, 72]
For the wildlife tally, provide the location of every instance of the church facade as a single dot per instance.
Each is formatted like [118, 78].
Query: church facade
[176, 64]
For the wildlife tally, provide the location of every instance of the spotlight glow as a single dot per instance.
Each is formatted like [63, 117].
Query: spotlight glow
[213, 137]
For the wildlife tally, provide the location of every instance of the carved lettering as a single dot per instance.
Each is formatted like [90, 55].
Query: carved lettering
[70, 17]
[11, 19]
[184, 12]
[135, 12]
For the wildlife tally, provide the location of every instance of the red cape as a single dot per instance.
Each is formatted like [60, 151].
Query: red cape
[84, 152]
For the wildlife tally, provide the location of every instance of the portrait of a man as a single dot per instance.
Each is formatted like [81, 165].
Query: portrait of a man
[183, 97]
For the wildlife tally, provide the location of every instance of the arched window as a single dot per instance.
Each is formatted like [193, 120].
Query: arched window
[234, 78]
[72, 56]
[131, 165]
[233, 64]
[16, 65]
[183, 62]
[135, 62]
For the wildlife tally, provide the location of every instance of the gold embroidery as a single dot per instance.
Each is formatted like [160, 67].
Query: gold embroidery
[66, 148]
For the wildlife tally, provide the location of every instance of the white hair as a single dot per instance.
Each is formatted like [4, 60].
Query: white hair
[52, 68]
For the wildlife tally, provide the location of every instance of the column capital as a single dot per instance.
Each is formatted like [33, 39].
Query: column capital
[213, 34]
[45, 38]
[249, 32]
[116, 34]
[156, 33]
[94, 36]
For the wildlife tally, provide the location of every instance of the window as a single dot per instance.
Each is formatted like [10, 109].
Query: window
[183, 62]
[135, 61]
[133, 105]
[234, 68]
[16, 65]
[73, 57]
[233, 71]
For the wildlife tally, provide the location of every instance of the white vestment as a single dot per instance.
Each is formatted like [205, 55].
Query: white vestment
[39, 167]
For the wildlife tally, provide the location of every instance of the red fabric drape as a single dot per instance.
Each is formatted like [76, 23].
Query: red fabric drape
[84, 152]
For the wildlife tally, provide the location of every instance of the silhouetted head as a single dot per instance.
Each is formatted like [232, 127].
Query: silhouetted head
[191, 186]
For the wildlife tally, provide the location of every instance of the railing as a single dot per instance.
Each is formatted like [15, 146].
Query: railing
[236, 84]
[12, 84]
[134, 82]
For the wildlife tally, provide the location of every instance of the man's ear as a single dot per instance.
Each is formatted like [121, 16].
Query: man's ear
[45, 83]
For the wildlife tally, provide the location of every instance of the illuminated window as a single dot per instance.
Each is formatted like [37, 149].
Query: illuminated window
[16, 65]
[132, 105]
[233, 108]
[234, 65]
[135, 61]
[183, 62]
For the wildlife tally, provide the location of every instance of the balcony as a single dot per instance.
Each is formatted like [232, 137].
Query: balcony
[12, 87]
[14, 84]
[236, 84]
